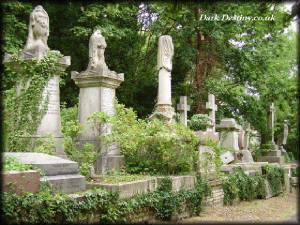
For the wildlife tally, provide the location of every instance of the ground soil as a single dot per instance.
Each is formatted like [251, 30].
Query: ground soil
[283, 208]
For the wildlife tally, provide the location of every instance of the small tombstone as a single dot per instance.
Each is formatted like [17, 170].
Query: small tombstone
[227, 157]
[183, 108]
[212, 107]
[229, 130]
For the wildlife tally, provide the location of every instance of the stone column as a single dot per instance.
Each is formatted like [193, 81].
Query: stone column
[270, 118]
[183, 108]
[97, 93]
[163, 106]
[36, 47]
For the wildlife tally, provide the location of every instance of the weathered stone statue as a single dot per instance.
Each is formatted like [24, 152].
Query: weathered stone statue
[38, 32]
[285, 132]
[97, 47]
[164, 66]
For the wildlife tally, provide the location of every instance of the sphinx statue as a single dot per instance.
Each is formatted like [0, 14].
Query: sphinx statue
[38, 32]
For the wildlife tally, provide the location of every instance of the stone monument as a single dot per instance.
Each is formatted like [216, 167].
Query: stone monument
[97, 93]
[183, 108]
[229, 130]
[36, 47]
[163, 106]
[270, 120]
[212, 107]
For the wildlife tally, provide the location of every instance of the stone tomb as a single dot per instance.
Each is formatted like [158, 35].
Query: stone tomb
[97, 93]
[61, 173]
[229, 131]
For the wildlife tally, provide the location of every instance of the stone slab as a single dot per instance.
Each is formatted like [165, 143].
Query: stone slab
[228, 123]
[68, 184]
[50, 165]
[271, 159]
[274, 153]
[203, 135]
[128, 189]
[21, 181]
[109, 162]
[178, 182]
[227, 157]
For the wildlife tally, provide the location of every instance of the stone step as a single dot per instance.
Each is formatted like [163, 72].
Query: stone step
[274, 153]
[49, 164]
[68, 184]
[271, 159]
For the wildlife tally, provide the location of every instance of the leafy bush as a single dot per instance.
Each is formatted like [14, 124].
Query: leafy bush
[198, 122]
[295, 172]
[242, 186]
[275, 176]
[46, 207]
[86, 154]
[153, 146]
[13, 164]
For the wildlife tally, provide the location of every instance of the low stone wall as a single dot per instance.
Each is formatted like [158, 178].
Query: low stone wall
[20, 181]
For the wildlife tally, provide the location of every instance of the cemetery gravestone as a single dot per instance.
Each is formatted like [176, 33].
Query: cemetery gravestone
[163, 106]
[229, 133]
[36, 47]
[212, 107]
[97, 93]
[183, 108]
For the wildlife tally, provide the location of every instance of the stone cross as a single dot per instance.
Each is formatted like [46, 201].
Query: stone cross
[271, 114]
[212, 107]
[183, 108]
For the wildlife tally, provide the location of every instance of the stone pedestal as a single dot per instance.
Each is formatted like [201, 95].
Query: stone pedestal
[229, 131]
[51, 121]
[97, 93]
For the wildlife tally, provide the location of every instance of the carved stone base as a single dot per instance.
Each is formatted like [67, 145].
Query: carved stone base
[166, 112]
[108, 162]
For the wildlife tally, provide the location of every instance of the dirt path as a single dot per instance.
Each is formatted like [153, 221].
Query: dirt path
[282, 208]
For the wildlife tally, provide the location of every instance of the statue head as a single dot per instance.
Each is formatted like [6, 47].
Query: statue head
[36, 44]
[97, 47]
[165, 52]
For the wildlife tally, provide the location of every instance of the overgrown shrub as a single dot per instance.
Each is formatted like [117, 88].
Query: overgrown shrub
[47, 207]
[151, 147]
[242, 186]
[275, 177]
[11, 163]
[198, 122]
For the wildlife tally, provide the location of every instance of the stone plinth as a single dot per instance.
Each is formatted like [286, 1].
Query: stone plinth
[21, 181]
[51, 121]
[61, 173]
[229, 131]
[204, 135]
[97, 93]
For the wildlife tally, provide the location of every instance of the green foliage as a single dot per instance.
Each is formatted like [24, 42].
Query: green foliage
[198, 122]
[45, 145]
[149, 146]
[242, 186]
[114, 177]
[295, 172]
[24, 104]
[86, 154]
[275, 176]
[13, 164]
[47, 207]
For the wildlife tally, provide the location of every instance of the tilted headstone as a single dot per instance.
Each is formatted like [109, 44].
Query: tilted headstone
[183, 108]
[229, 130]
[212, 107]
[36, 47]
[227, 157]
[163, 106]
[97, 93]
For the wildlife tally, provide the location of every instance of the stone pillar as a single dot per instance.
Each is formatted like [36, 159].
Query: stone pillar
[163, 106]
[183, 108]
[270, 120]
[36, 47]
[97, 93]
[229, 131]
[212, 107]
